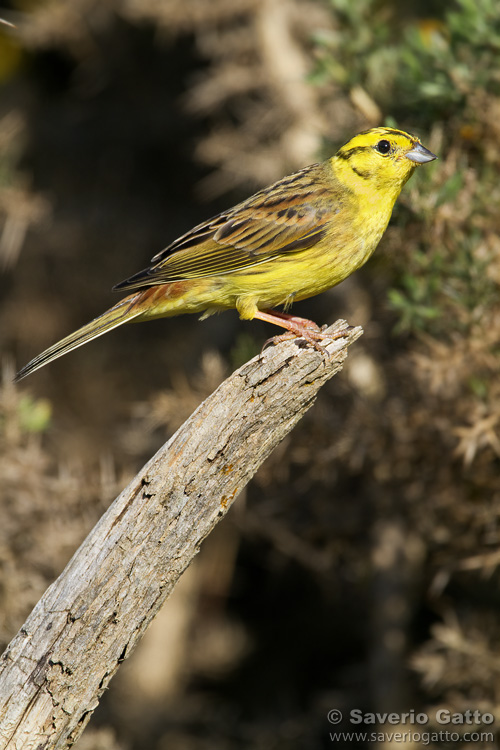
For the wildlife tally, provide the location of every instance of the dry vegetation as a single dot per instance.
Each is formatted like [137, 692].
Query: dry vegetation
[361, 569]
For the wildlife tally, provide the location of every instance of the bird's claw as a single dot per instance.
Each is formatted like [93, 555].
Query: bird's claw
[313, 336]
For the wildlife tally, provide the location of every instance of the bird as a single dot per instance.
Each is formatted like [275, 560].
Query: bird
[294, 239]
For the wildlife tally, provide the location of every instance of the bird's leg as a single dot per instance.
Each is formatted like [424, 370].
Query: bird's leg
[296, 327]
[301, 323]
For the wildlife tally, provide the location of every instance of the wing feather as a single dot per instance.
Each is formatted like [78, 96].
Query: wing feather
[291, 215]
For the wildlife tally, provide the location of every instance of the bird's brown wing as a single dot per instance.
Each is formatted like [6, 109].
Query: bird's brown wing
[286, 217]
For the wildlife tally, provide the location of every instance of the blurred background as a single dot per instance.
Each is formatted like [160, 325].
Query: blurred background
[360, 567]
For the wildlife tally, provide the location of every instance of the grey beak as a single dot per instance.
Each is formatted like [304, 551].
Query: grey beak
[420, 155]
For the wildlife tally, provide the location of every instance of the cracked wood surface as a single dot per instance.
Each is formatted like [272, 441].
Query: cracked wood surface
[55, 669]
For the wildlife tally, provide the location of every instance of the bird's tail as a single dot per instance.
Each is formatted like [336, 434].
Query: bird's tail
[123, 312]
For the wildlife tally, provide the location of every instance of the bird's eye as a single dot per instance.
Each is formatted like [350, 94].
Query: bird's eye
[383, 147]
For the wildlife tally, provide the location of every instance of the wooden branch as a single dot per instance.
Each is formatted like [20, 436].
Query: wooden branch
[58, 665]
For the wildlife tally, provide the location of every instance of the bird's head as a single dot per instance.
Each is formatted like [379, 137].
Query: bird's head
[381, 159]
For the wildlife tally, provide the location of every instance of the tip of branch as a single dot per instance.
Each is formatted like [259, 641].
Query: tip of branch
[338, 337]
[298, 355]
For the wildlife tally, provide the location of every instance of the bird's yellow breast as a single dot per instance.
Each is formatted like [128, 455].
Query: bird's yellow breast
[345, 247]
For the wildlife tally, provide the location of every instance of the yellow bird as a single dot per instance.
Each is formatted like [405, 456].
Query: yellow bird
[292, 240]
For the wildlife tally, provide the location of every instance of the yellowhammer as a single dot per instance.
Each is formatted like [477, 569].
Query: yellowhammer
[291, 240]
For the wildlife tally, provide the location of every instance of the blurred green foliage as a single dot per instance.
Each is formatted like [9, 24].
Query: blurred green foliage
[34, 414]
[21, 415]
[422, 68]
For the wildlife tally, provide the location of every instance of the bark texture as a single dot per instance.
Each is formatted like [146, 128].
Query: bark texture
[88, 621]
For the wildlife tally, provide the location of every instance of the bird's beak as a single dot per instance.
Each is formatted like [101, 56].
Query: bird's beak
[420, 155]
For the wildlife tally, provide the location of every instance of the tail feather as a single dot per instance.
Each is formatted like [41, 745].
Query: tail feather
[123, 312]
